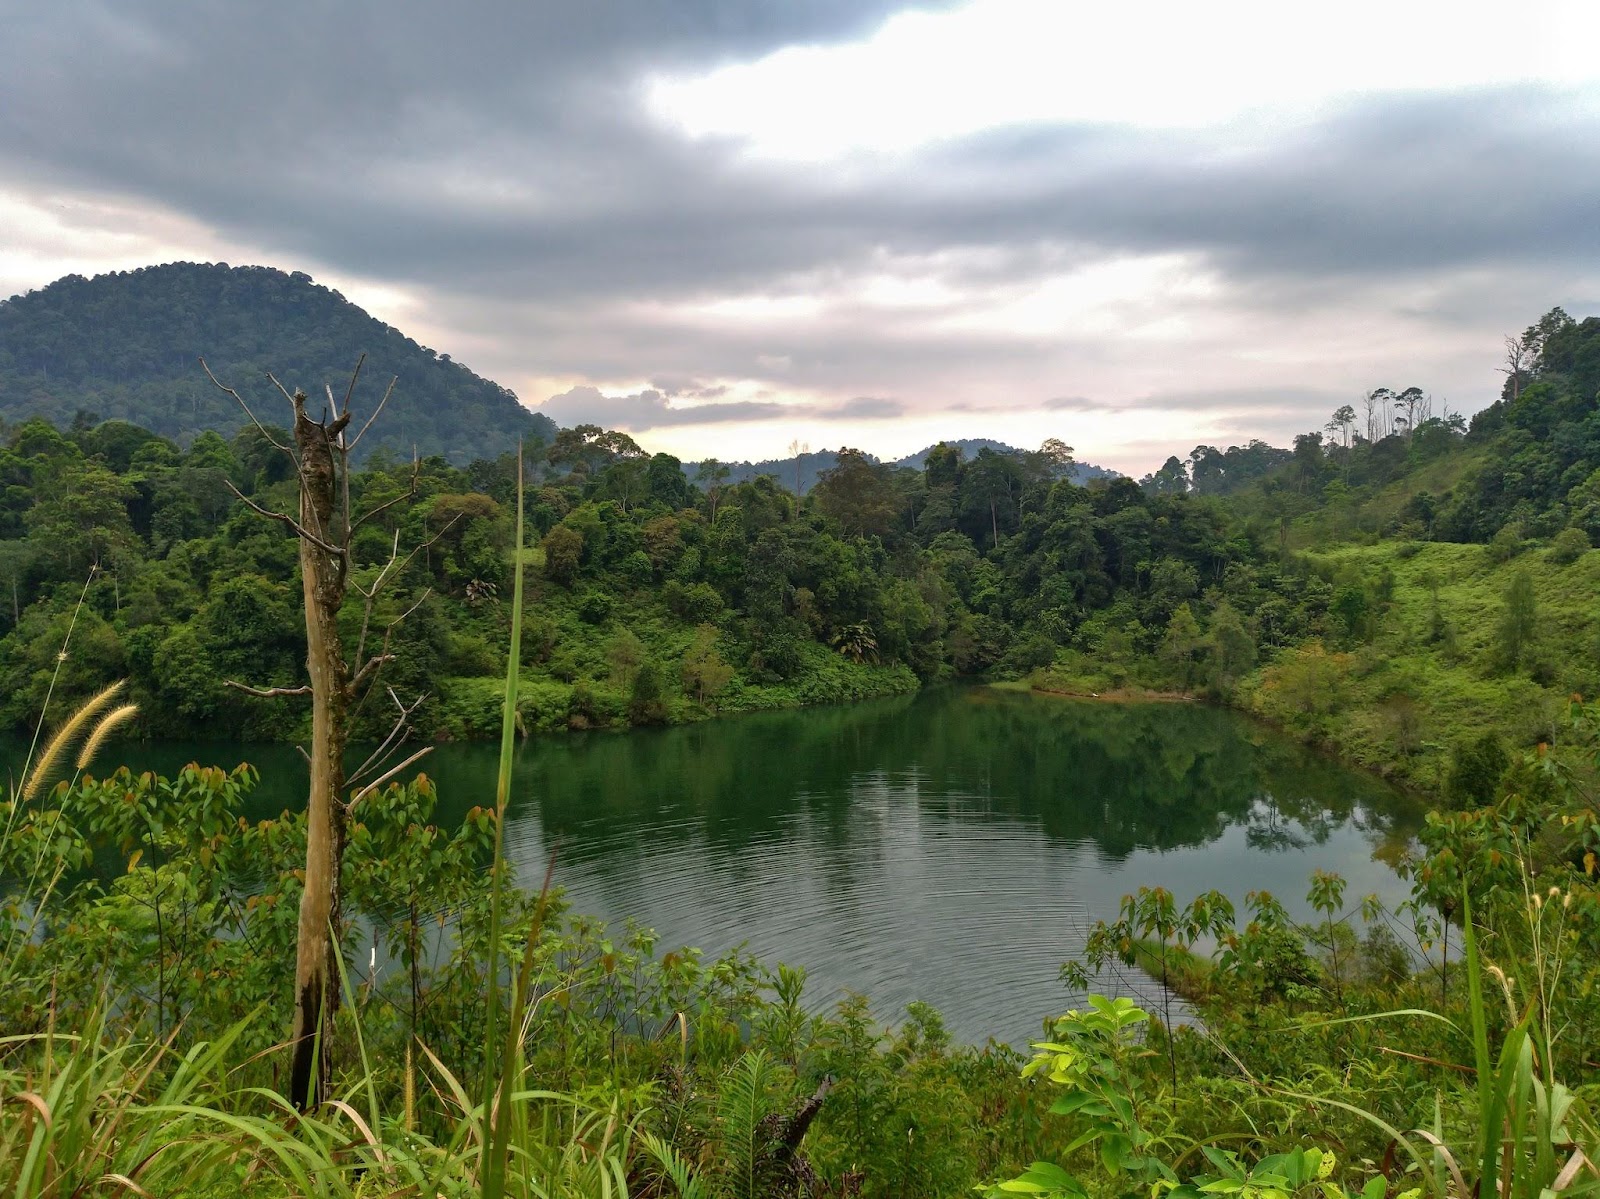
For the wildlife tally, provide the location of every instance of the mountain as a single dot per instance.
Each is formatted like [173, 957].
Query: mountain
[799, 474]
[127, 345]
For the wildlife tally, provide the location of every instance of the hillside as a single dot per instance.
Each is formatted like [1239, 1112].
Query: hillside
[1435, 584]
[799, 474]
[126, 345]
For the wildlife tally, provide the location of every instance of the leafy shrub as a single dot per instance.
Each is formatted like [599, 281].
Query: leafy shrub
[1506, 544]
[563, 550]
[469, 656]
[594, 607]
[1570, 545]
[645, 705]
[698, 602]
[1475, 771]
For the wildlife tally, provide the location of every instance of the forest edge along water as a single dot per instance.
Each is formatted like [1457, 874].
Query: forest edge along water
[951, 847]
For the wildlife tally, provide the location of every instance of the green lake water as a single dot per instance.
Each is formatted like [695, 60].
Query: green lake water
[951, 846]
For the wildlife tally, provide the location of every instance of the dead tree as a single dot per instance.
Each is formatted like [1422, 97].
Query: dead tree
[326, 530]
[1521, 353]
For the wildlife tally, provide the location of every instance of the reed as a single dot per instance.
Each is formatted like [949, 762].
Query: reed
[500, 1045]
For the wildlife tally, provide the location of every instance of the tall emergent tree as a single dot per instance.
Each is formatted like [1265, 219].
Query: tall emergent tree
[324, 526]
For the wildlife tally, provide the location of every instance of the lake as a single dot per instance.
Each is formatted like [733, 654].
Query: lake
[952, 846]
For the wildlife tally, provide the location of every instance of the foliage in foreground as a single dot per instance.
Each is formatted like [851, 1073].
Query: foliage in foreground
[145, 1003]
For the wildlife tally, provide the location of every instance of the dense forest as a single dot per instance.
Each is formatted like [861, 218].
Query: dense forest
[1412, 589]
[124, 347]
[1383, 595]
[653, 600]
[800, 472]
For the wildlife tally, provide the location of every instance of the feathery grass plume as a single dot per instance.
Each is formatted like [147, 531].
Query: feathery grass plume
[49, 693]
[65, 736]
[102, 732]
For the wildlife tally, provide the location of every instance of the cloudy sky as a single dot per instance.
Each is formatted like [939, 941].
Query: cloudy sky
[726, 225]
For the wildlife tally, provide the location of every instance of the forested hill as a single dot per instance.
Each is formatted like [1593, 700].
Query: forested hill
[127, 345]
[800, 473]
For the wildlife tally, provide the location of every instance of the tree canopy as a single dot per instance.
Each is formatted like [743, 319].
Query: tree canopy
[125, 347]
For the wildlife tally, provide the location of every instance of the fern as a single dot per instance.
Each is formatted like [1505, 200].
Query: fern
[741, 1110]
[675, 1167]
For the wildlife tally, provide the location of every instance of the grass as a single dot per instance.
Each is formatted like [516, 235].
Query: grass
[471, 707]
[1402, 702]
[1369, 510]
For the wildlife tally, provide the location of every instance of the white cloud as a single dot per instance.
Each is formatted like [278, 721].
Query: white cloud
[648, 409]
[1254, 64]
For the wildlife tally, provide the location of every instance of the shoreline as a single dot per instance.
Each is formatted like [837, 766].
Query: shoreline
[1118, 695]
[1320, 745]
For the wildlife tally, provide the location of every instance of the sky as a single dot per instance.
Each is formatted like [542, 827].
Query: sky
[727, 226]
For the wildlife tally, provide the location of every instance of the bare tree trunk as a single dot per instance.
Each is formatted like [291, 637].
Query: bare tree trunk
[323, 581]
[325, 530]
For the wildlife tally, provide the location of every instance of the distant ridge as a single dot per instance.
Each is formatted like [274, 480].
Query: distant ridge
[800, 473]
[126, 346]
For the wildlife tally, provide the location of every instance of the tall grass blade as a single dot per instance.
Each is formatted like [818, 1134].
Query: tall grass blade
[1488, 1112]
[498, 1115]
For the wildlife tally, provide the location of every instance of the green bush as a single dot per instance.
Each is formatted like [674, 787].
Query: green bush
[1506, 544]
[1570, 545]
[595, 606]
[1475, 771]
[468, 655]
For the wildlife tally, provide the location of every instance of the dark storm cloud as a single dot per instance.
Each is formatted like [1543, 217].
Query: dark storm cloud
[505, 144]
[497, 156]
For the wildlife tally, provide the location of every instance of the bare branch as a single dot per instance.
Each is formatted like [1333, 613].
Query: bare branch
[388, 774]
[394, 553]
[408, 494]
[395, 623]
[282, 388]
[397, 734]
[382, 579]
[276, 444]
[284, 517]
[351, 390]
[371, 665]
[268, 692]
[376, 412]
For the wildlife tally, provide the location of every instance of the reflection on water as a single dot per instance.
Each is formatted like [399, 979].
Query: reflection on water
[951, 846]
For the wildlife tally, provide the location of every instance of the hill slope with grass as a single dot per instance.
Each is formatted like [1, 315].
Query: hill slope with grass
[1441, 645]
[1433, 591]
